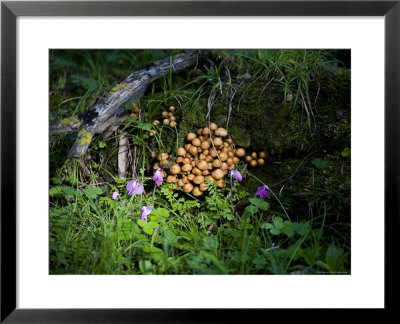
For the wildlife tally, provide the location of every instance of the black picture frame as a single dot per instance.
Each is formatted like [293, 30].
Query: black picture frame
[9, 13]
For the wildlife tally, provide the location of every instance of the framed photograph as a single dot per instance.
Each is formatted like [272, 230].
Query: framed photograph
[162, 159]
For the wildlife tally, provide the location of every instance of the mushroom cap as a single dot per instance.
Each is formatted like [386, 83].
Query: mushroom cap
[185, 180]
[179, 159]
[196, 142]
[202, 165]
[205, 172]
[164, 114]
[223, 156]
[209, 158]
[224, 166]
[172, 118]
[218, 141]
[260, 162]
[156, 122]
[205, 131]
[162, 156]
[213, 152]
[231, 154]
[203, 186]
[254, 155]
[253, 163]
[190, 136]
[217, 174]
[196, 171]
[180, 183]
[181, 151]
[193, 150]
[248, 158]
[262, 155]
[187, 167]
[171, 179]
[166, 121]
[198, 179]
[188, 187]
[172, 123]
[216, 163]
[213, 126]
[172, 108]
[205, 145]
[175, 169]
[187, 146]
[229, 161]
[196, 191]
[156, 166]
[240, 152]
[170, 114]
[190, 177]
[221, 132]
[236, 160]
[199, 131]
[221, 183]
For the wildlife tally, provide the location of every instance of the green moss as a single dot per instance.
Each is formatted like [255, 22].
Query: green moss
[84, 137]
[117, 87]
[70, 121]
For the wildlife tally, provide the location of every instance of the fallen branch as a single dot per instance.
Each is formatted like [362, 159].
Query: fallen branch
[106, 112]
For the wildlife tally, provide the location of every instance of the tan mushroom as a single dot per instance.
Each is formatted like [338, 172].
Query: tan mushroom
[217, 174]
[190, 136]
[175, 169]
[188, 187]
[240, 152]
[181, 151]
[196, 191]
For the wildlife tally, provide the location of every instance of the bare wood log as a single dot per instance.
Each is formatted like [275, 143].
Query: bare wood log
[123, 156]
[132, 88]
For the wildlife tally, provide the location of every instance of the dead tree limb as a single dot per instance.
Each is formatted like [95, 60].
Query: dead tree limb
[106, 112]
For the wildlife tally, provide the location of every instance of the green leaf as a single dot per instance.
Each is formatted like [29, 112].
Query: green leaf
[102, 144]
[146, 267]
[56, 191]
[320, 164]
[278, 223]
[332, 256]
[145, 126]
[346, 152]
[251, 209]
[275, 231]
[267, 226]
[92, 193]
[259, 203]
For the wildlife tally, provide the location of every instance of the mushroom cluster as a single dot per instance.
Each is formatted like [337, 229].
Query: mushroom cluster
[169, 119]
[255, 159]
[135, 110]
[205, 156]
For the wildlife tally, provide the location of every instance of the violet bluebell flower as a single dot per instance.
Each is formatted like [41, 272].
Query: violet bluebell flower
[263, 191]
[146, 210]
[158, 177]
[115, 195]
[237, 175]
[135, 186]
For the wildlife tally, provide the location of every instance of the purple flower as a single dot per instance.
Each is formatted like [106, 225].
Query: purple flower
[115, 195]
[263, 191]
[146, 210]
[158, 177]
[135, 186]
[236, 174]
